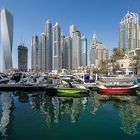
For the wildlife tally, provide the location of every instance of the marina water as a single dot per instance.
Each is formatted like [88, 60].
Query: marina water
[36, 116]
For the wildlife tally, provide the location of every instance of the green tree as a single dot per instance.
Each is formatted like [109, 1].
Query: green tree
[103, 67]
[134, 62]
[118, 54]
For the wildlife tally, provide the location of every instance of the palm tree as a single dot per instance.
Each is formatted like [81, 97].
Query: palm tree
[103, 67]
[134, 62]
[118, 53]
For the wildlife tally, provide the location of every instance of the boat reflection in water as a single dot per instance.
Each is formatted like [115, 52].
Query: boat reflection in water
[54, 109]
[7, 106]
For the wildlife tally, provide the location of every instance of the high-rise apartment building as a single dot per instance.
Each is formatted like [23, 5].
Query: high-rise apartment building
[7, 38]
[129, 32]
[57, 57]
[22, 58]
[67, 53]
[72, 29]
[48, 31]
[43, 52]
[76, 49]
[35, 54]
[98, 52]
[83, 51]
[62, 48]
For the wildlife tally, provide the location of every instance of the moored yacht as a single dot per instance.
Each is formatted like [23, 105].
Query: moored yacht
[25, 78]
[89, 81]
[3, 78]
[117, 87]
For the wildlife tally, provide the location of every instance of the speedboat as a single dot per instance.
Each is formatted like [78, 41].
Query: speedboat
[3, 78]
[25, 78]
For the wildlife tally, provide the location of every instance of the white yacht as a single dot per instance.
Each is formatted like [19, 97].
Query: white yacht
[25, 78]
[3, 78]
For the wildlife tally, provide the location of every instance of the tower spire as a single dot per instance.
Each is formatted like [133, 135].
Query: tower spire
[94, 38]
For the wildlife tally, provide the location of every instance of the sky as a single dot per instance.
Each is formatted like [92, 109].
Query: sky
[99, 16]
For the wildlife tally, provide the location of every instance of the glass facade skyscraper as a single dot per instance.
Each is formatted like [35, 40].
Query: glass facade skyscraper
[76, 49]
[48, 31]
[35, 55]
[83, 51]
[98, 52]
[43, 52]
[67, 53]
[22, 58]
[62, 48]
[54, 51]
[57, 57]
[72, 29]
[7, 38]
[129, 32]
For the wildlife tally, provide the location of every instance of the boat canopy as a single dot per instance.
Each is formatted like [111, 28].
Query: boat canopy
[116, 79]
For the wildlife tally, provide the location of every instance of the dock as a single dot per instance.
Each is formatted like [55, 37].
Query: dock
[48, 88]
[23, 87]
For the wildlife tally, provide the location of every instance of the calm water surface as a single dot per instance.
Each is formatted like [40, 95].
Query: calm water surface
[36, 116]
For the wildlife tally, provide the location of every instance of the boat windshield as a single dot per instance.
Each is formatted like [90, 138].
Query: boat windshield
[87, 78]
[16, 77]
[3, 75]
[138, 80]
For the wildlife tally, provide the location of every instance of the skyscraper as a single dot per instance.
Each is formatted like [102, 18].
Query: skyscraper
[76, 49]
[43, 52]
[62, 48]
[67, 53]
[72, 29]
[7, 38]
[35, 53]
[22, 58]
[83, 51]
[98, 52]
[57, 57]
[129, 32]
[48, 30]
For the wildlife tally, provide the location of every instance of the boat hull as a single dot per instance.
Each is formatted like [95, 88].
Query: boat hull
[68, 92]
[115, 91]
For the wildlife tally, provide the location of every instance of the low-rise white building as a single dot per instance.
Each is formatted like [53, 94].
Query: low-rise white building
[125, 66]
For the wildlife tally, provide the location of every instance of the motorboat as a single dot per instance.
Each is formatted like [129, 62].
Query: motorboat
[3, 78]
[69, 86]
[117, 90]
[87, 80]
[25, 78]
[117, 87]
[67, 92]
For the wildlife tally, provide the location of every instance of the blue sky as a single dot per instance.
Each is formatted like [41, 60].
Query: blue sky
[100, 16]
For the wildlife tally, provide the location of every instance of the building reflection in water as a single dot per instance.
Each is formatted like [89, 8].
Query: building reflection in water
[130, 116]
[128, 109]
[94, 104]
[7, 113]
[55, 107]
